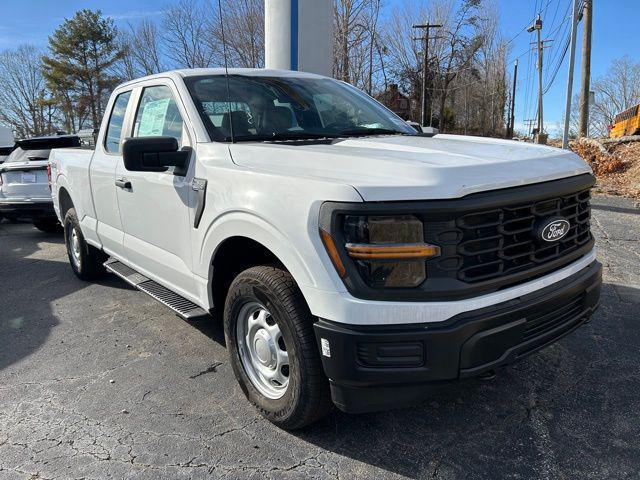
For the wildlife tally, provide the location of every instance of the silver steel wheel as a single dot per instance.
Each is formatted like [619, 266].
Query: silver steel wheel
[262, 350]
[75, 247]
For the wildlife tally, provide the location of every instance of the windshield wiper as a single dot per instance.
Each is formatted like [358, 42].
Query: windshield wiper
[357, 132]
[280, 136]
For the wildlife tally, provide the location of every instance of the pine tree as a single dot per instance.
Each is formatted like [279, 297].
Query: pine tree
[79, 67]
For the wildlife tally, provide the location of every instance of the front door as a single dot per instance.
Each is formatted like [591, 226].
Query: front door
[102, 175]
[154, 206]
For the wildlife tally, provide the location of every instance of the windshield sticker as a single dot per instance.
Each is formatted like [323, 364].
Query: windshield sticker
[153, 117]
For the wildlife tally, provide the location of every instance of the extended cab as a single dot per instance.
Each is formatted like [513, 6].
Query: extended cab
[351, 259]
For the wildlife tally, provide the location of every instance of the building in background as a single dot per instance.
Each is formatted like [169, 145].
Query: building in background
[396, 102]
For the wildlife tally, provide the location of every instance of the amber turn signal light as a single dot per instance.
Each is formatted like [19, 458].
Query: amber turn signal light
[330, 246]
[361, 251]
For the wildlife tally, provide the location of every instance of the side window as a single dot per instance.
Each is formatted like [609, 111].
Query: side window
[114, 127]
[158, 115]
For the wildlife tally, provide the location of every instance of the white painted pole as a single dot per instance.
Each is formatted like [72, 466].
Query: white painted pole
[277, 34]
[299, 35]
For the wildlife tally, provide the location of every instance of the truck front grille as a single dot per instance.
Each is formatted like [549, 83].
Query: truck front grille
[503, 241]
[488, 240]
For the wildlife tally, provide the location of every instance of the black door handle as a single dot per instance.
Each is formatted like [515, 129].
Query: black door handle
[122, 183]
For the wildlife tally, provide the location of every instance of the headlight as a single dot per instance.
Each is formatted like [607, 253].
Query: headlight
[389, 251]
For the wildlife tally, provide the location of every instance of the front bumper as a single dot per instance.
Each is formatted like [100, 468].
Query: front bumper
[373, 368]
[33, 209]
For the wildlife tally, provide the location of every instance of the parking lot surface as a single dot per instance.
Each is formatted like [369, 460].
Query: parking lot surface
[101, 381]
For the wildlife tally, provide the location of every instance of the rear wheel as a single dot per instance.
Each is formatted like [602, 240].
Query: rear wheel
[86, 260]
[48, 226]
[272, 347]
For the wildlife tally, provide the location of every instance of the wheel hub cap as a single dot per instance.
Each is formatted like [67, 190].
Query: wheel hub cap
[262, 350]
[264, 347]
[75, 246]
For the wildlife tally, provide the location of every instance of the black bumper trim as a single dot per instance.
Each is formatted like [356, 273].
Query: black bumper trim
[36, 210]
[365, 378]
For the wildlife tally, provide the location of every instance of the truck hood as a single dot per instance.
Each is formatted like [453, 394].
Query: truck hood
[385, 168]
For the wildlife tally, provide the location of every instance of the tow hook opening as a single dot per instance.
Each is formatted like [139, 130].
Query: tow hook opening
[487, 376]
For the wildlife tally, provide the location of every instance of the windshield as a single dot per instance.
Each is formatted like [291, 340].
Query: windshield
[283, 108]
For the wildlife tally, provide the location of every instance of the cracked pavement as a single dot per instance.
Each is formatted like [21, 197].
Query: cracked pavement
[101, 381]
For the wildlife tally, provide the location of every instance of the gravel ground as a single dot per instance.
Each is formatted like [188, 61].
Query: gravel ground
[101, 381]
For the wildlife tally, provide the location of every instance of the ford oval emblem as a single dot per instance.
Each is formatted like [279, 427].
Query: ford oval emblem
[554, 230]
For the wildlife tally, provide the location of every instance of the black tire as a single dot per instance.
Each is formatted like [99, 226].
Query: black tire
[48, 226]
[11, 218]
[307, 398]
[88, 265]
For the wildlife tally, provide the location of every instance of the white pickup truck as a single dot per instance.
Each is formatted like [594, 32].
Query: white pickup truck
[352, 260]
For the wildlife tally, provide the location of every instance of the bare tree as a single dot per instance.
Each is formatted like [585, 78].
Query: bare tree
[615, 91]
[467, 58]
[185, 26]
[142, 45]
[25, 104]
[351, 32]
[244, 32]
[460, 44]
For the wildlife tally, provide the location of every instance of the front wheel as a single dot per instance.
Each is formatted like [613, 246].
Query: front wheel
[269, 334]
[86, 260]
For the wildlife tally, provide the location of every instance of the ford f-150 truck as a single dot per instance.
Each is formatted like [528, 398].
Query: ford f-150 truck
[352, 260]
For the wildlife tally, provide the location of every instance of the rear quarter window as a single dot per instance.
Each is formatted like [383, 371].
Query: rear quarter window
[113, 135]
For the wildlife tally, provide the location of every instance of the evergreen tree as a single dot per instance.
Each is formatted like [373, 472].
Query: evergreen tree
[79, 69]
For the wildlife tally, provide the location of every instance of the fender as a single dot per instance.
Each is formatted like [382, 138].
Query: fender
[239, 223]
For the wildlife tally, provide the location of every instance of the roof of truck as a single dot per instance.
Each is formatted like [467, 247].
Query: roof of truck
[248, 72]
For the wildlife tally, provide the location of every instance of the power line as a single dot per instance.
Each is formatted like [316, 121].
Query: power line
[557, 67]
[564, 50]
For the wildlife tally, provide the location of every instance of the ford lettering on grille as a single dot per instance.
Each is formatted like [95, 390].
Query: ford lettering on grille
[555, 230]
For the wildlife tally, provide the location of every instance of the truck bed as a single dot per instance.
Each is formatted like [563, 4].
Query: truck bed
[70, 167]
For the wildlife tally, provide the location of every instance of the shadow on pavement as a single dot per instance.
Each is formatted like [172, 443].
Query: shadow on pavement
[32, 279]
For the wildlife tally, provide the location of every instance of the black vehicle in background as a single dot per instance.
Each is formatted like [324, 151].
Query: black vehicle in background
[5, 152]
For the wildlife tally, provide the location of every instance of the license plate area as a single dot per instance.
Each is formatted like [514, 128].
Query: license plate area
[29, 177]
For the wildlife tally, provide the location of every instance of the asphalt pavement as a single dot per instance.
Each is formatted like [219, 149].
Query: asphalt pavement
[101, 381]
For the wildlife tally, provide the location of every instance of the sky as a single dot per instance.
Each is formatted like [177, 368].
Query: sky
[615, 34]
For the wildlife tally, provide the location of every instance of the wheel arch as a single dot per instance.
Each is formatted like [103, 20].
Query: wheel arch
[240, 241]
[65, 203]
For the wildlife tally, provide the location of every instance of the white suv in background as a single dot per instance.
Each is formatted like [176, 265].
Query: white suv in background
[24, 181]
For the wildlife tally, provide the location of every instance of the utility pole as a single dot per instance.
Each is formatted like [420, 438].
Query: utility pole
[537, 26]
[513, 101]
[586, 69]
[425, 70]
[572, 54]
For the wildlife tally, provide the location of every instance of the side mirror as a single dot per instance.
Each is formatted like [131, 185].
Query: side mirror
[154, 154]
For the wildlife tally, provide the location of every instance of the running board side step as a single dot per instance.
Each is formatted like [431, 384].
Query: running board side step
[184, 308]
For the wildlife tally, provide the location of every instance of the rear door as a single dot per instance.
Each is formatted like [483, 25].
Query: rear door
[102, 174]
[154, 206]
